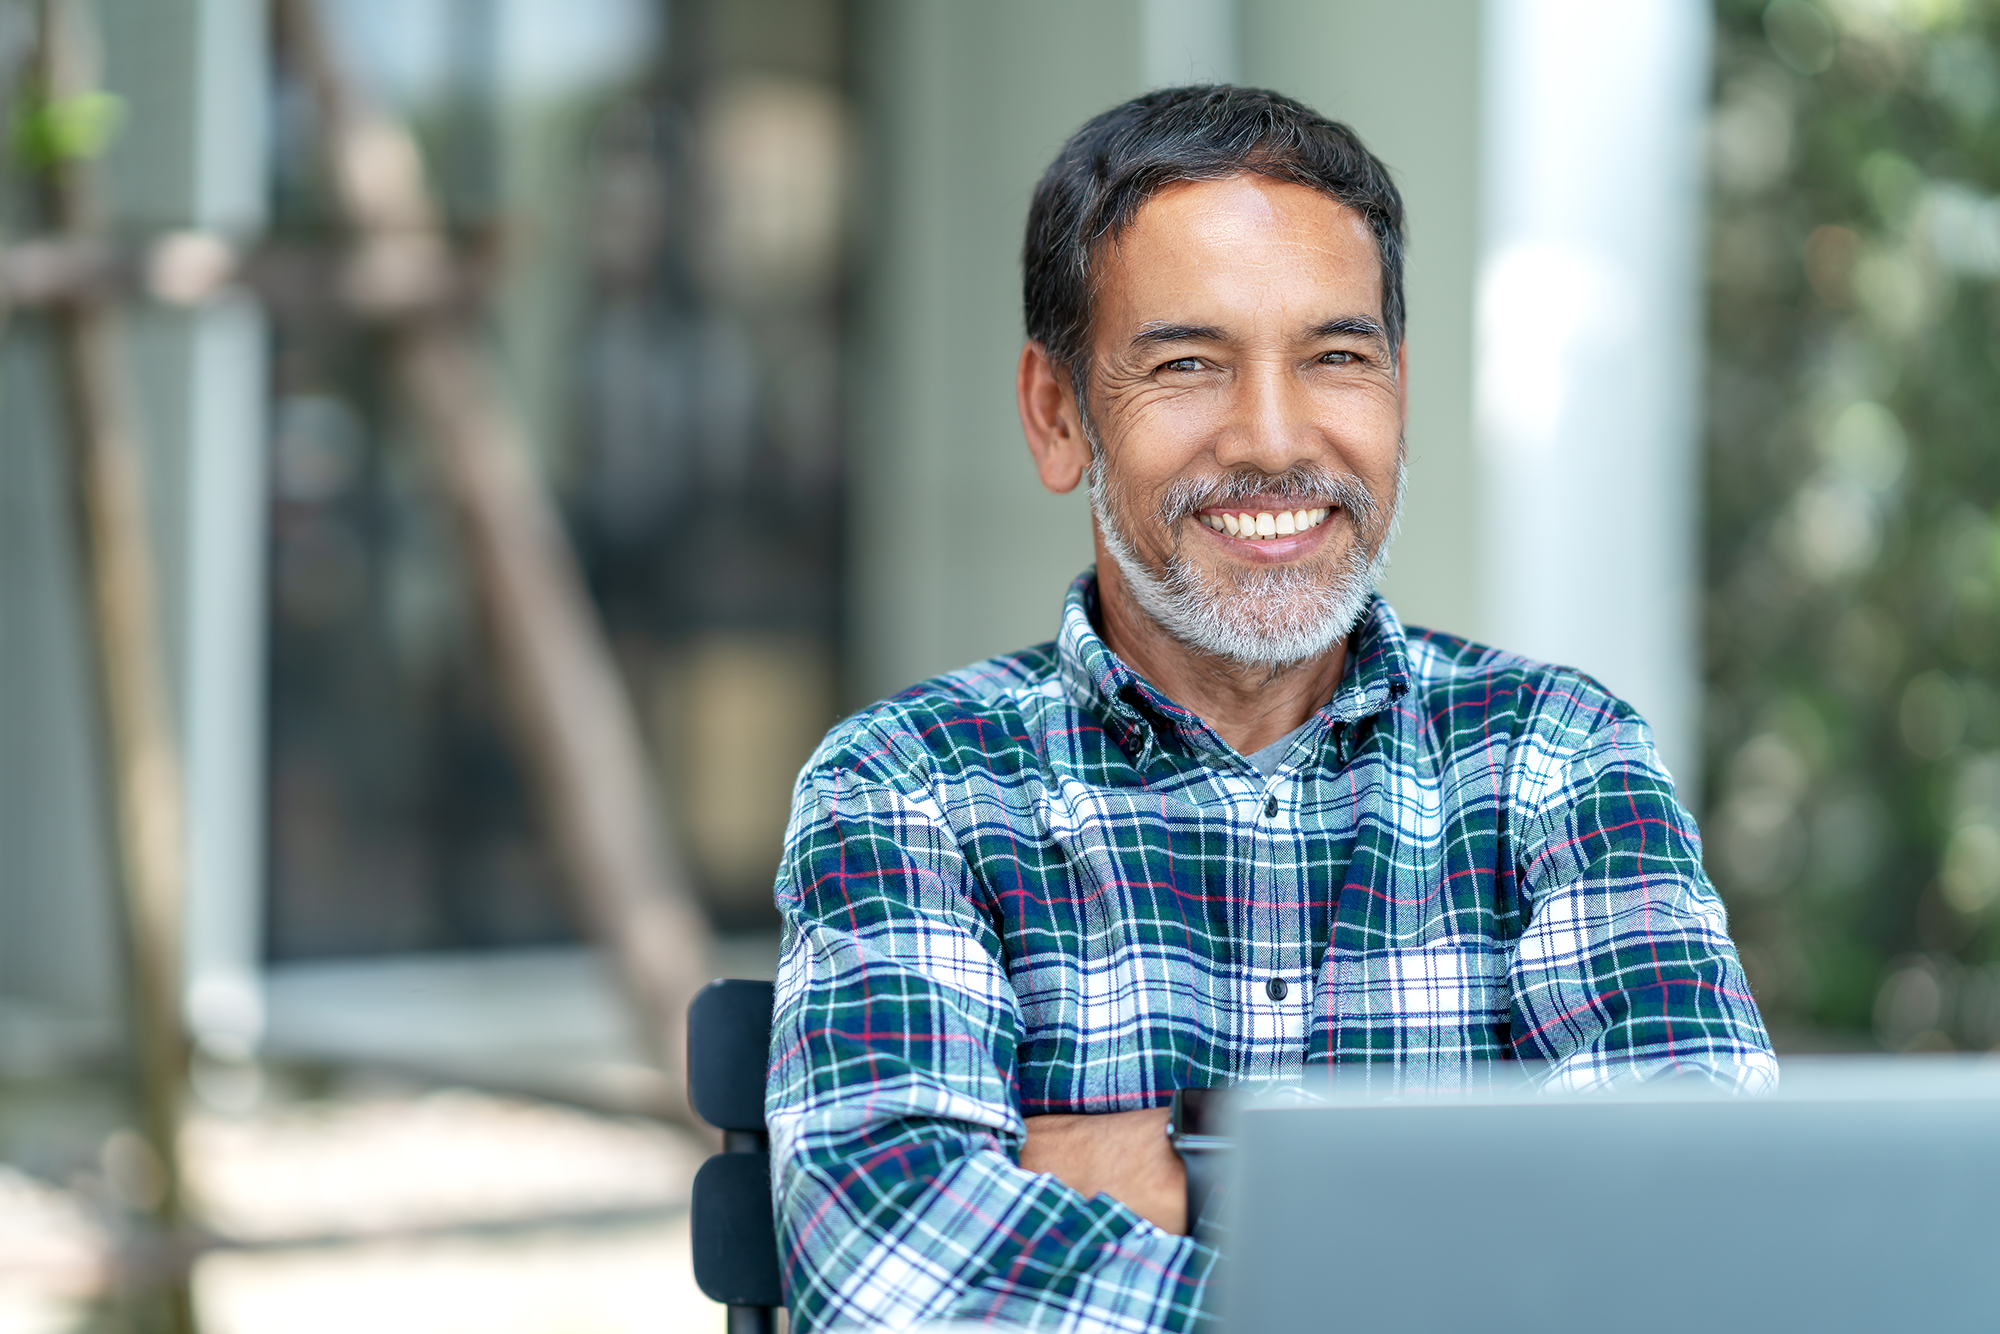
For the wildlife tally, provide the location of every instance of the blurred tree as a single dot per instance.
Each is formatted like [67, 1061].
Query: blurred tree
[1853, 560]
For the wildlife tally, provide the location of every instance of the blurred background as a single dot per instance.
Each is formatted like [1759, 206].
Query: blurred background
[1704, 348]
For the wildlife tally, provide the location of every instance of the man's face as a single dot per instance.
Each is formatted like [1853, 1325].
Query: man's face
[1248, 415]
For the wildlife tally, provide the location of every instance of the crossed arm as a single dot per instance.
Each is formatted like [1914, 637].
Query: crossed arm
[909, 1189]
[1121, 1154]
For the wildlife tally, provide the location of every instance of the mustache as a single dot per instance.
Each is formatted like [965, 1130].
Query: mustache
[1301, 486]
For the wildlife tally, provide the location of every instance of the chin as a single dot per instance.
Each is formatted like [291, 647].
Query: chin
[1272, 617]
[1251, 637]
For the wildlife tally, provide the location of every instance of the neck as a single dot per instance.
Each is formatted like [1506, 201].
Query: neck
[1248, 706]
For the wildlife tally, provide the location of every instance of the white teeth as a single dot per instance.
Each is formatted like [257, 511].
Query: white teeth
[1258, 527]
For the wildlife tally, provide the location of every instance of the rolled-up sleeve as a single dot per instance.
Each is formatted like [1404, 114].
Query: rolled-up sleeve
[895, 1127]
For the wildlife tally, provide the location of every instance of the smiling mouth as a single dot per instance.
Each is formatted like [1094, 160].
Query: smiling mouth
[1264, 525]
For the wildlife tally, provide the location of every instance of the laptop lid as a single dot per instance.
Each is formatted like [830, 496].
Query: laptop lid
[1864, 1195]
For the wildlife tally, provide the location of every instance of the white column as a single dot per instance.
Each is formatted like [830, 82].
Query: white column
[224, 689]
[1588, 345]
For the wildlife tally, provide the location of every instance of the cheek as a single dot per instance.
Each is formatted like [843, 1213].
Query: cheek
[1151, 440]
[1173, 422]
[1365, 426]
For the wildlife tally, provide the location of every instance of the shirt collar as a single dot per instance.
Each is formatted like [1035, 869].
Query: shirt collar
[1141, 719]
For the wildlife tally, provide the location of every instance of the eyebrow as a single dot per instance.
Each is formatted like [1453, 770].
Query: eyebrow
[1154, 334]
[1352, 325]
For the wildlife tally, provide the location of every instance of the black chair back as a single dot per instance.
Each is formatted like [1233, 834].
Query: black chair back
[735, 1242]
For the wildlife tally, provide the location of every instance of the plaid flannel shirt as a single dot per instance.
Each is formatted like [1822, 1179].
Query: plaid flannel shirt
[1039, 885]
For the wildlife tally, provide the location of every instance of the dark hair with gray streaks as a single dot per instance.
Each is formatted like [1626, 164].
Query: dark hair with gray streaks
[1120, 159]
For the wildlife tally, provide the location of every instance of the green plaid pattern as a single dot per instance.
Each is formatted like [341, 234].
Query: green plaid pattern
[1039, 885]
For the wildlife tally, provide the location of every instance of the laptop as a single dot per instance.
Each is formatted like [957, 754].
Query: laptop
[1863, 1195]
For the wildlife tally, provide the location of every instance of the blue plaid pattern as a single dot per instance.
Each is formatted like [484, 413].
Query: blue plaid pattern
[1039, 885]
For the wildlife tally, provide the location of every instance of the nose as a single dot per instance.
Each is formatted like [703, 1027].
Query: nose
[1269, 427]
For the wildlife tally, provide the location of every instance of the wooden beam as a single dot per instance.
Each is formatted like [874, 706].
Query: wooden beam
[143, 762]
[573, 723]
[187, 268]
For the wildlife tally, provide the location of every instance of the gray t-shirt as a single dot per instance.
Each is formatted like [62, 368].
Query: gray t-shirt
[1268, 759]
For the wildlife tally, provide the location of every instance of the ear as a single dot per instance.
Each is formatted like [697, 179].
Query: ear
[1049, 420]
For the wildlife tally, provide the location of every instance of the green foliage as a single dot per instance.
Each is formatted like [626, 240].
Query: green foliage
[47, 131]
[1853, 555]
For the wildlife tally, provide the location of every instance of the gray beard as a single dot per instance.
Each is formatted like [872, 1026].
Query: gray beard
[1272, 619]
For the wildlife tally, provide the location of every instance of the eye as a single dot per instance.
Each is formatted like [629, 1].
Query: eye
[1183, 365]
[1338, 358]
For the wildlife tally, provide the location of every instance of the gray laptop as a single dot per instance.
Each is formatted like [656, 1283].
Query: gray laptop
[1864, 1195]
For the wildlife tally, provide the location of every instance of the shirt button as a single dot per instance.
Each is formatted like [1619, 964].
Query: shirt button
[1270, 807]
[1276, 989]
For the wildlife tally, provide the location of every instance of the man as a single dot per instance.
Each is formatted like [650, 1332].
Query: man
[1235, 821]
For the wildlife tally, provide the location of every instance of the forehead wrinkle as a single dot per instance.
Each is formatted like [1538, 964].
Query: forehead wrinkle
[1272, 280]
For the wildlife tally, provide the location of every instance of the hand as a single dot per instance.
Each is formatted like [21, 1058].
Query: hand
[1121, 1154]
